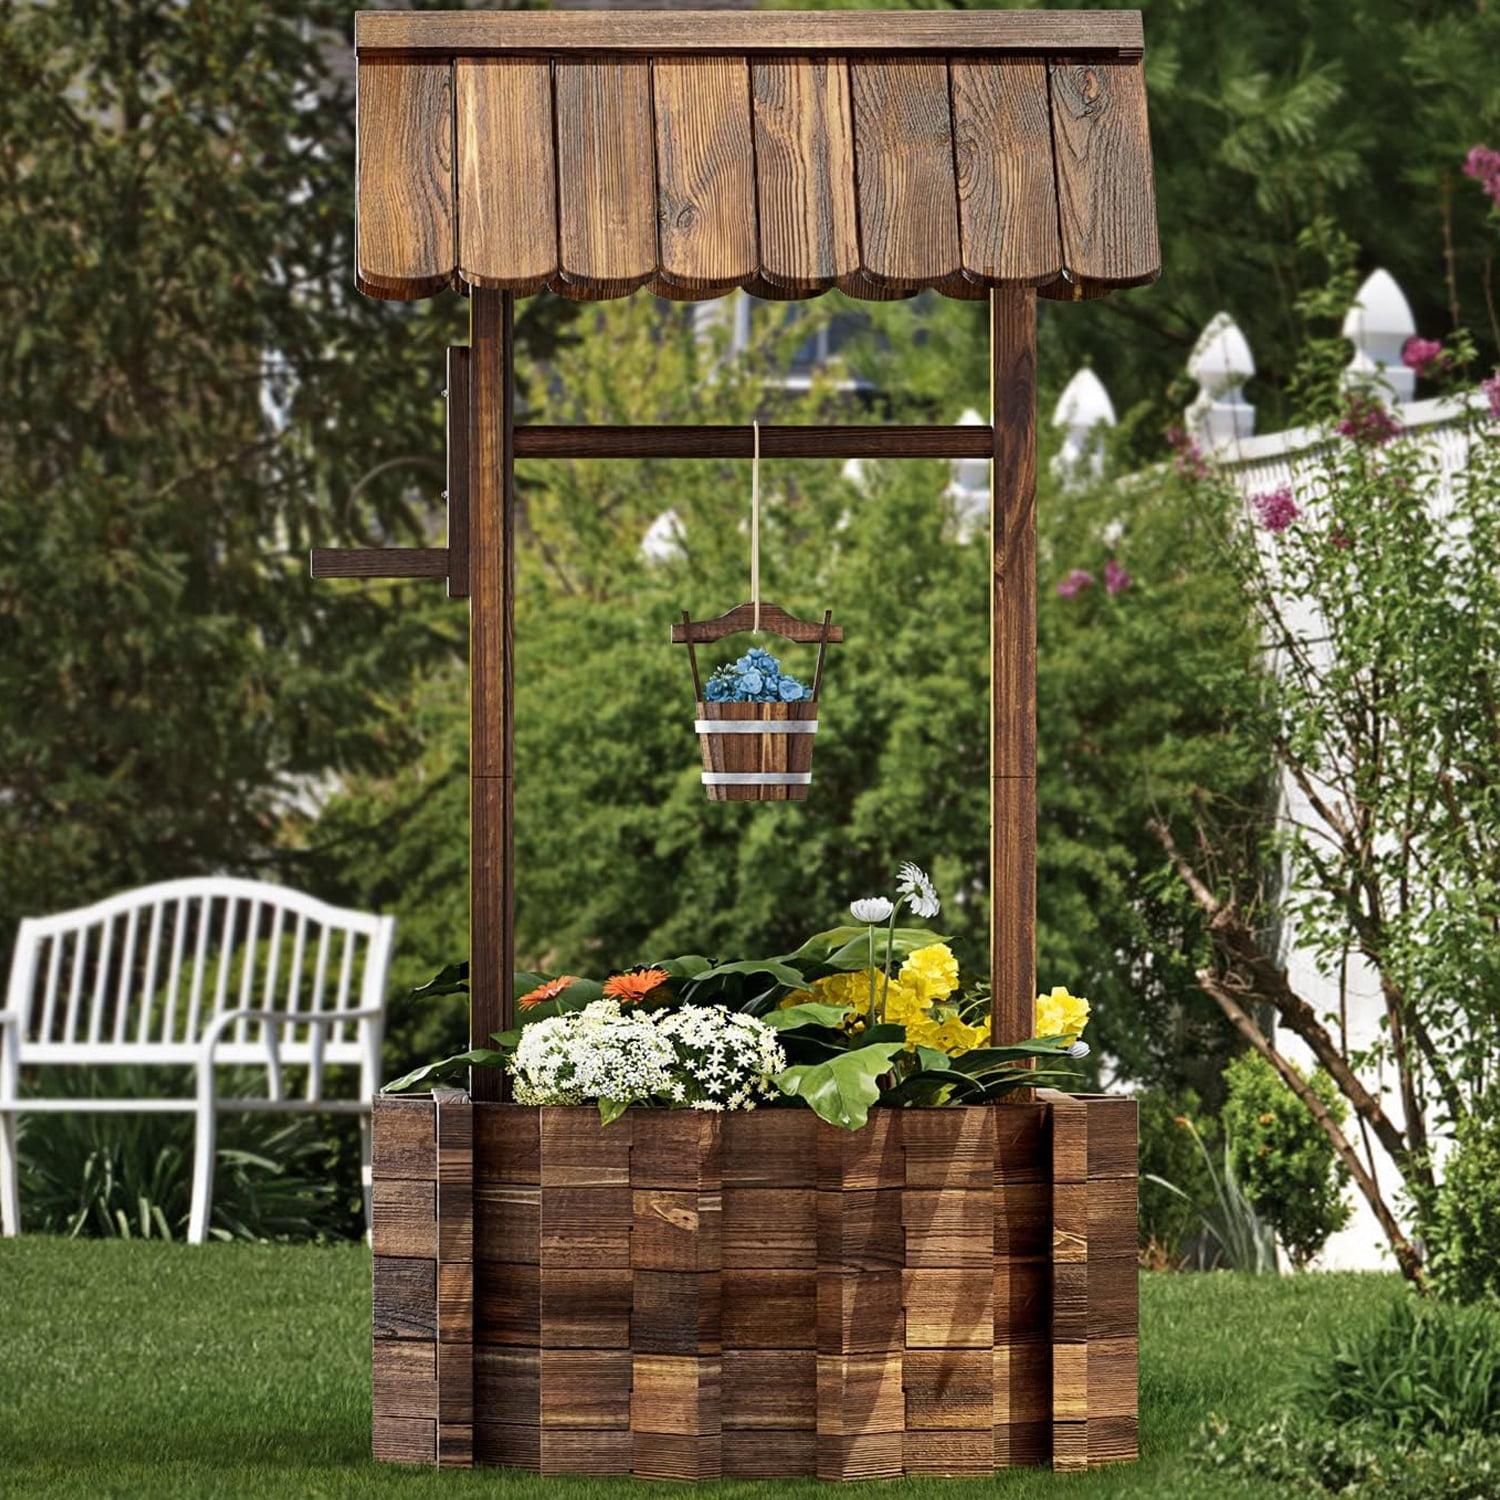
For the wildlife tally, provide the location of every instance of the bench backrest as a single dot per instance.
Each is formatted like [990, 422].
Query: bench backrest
[142, 973]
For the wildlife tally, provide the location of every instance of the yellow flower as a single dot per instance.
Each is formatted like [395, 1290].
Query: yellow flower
[1061, 1014]
[932, 970]
[950, 1034]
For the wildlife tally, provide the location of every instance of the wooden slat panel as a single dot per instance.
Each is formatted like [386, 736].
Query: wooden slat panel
[379, 562]
[727, 31]
[405, 190]
[705, 172]
[405, 1218]
[903, 154]
[774, 1390]
[507, 181]
[405, 1298]
[404, 1440]
[1007, 191]
[403, 1378]
[1013, 666]
[1105, 195]
[804, 171]
[606, 174]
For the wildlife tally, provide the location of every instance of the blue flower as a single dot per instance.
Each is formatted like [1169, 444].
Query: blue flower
[751, 682]
[791, 690]
[718, 689]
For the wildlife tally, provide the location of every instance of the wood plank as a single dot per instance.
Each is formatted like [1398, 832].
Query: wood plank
[455, 1186]
[676, 1312]
[508, 1384]
[861, 1314]
[1106, 200]
[507, 179]
[903, 154]
[1113, 1211]
[1022, 1152]
[455, 1369]
[1013, 665]
[504, 1443]
[676, 1393]
[804, 173]
[949, 1148]
[769, 1455]
[705, 172]
[771, 1148]
[584, 1451]
[1070, 1222]
[859, 441]
[773, 620]
[507, 1143]
[404, 1303]
[862, 1455]
[949, 1389]
[1023, 1301]
[508, 1223]
[1023, 1221]
[508, 1304]
[606, 174]
[1114, 1299]
[675, 1231]
[729, 31]
[458, 415]
[404, 1440]
[455, 1445]
[770, 1309]
[867, 1158]
[379, 562]
[404, 1221]
[585, 1388]
[966, 1454]
[1114, 1378]
[1007, 191]
[951, 1309]
[585, 1309]
[948, 1228]
[403, 1378]
[586, 1227]
[1023, 1383]
[770, 1390]
[1112, 1137]
[675, 1455]
[770, 1229]
[1113, 1440]
[491, 678]
[677, 1149]
[405, 178]
[1023, 1444]
[578, 1151]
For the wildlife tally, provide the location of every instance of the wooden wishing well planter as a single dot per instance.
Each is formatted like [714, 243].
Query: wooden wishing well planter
[683, 1295]
[947, 1291]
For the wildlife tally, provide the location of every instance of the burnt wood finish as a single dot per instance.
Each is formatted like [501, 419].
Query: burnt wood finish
[785, 153]
[380, 562]
[491, 675]
[1013, 665]
[1098, 32]
[688, 1295]
[861, 441]
[773, 619]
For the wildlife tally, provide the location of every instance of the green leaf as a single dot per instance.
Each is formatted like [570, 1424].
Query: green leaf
[480, 1057]
[610, 1110]
[842, 1089]
[451, 979]
[933, 1061]
[849, 947]
[689, 966]
[781, 972]
[810, 1014]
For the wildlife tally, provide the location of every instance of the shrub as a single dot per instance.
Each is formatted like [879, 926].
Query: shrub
[1168, 1152]
[1407, 1407]
[1282, 1158]
[1461, 1220]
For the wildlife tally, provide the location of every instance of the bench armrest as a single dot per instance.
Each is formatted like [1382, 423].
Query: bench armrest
[10, 1054]
[272, 1021]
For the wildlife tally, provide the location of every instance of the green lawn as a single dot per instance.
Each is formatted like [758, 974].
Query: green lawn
[159, 1370]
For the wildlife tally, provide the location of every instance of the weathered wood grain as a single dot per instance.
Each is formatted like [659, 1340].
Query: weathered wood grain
[949, 1149]
[404, 1381]
[903, 154]
[508, 1305]
[965, 1454]
[585, 1388]
[774, 620]
[585, 1309]
[491, 677]
[459, 415]
[606, 205]
[770, 1309]
[768, 1455]
[804, 173]
[770, 1229]
[508, 1223]
[860, 1231]
[1112, 1137]
[861, 441]
[404, 1218]
[950, 1309]
[405, 1298]
[730, 31]
[705, 172]
[405, 177]
[1007, 191]
[677, 1312]
[404, 1440]
[507, 1144]
[1013, 665]
[770, 1390]
[950, 1389]
[508, 1384]
[507, 179]
[379, 562]
[585, 1227]
[577, 1151]
[1106, 200]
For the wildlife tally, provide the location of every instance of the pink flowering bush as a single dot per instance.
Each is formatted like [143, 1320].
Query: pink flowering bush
[1075, 583]
[1275, 509]
[1483, 165]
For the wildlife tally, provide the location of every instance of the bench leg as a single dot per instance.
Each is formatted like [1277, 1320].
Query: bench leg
[366, 1142]
[203, 1173]
[10, 1177]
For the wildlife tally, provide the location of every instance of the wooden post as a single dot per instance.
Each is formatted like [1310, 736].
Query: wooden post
[1013, 664]
[491, 675]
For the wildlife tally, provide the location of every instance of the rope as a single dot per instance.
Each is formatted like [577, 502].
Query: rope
[755, 523]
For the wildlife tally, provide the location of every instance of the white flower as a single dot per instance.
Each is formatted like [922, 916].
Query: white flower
[723, 1059]
[921, 894]
[1079, 1050]
[599, 1052]
[871, 910]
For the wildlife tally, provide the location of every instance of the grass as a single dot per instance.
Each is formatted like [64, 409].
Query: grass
[140, 1369]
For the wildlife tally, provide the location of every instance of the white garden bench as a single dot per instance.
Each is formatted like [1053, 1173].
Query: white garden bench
[202, 973]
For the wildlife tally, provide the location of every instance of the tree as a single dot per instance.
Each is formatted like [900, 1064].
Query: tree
[193, 395]
[1376, 591]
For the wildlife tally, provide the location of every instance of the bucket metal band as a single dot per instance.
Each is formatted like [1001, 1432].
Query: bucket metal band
[757, 778]
[756, 726]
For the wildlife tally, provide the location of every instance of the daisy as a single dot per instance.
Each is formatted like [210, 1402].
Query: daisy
[921, 894]
[549, 990]
[635, 985]
[871, 910]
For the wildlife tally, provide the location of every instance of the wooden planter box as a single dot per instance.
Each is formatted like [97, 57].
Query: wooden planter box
[683, 1295]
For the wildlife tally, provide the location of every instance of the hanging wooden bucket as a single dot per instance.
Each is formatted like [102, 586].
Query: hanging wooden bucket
[757, 752]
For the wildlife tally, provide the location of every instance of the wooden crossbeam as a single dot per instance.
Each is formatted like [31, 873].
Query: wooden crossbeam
[379, 562]
[739, 442]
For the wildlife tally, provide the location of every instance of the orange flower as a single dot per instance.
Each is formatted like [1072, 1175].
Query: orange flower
[635, 985]
[548, 991]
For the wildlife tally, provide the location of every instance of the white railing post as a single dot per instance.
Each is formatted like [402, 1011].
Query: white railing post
[1082, 409]
[1378, 324]
[969, 488]
[1221, 363]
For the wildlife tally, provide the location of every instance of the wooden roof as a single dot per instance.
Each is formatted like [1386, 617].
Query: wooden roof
[786, 152]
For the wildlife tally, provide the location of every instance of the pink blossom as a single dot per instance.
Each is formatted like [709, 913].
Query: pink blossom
[1075, 583]
[1418, 353]
[1365, 420]
[1275, 509]
[1189, 460]
[1491, 389]
[1116, 578]
[1483, 165]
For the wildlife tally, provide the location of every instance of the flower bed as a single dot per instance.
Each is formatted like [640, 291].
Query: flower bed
[688, 1294]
